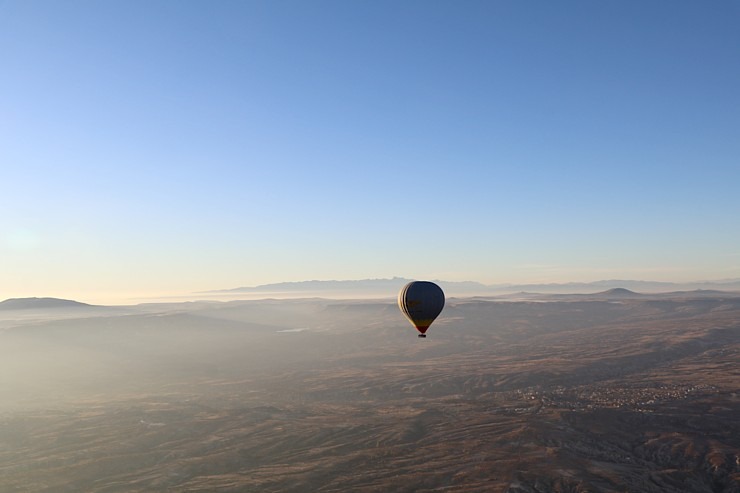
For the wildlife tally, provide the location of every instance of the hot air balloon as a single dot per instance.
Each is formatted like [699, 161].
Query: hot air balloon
[421, 302]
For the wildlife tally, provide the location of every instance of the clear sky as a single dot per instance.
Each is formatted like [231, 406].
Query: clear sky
[153, 147]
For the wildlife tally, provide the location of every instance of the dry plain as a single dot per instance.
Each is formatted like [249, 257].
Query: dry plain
[614, 392]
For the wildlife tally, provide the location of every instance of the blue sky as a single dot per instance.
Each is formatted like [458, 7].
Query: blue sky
[154, 147]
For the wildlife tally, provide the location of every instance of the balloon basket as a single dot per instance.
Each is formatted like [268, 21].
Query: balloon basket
[422, 335]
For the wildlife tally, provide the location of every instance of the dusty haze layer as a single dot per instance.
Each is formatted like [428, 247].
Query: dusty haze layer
[610, 392]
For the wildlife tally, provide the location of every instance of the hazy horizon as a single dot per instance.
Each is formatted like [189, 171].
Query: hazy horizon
[367, 289]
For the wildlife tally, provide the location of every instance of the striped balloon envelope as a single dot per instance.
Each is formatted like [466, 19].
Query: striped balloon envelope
[421, 302]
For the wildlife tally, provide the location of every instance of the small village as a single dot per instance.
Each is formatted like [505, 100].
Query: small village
[646, 399]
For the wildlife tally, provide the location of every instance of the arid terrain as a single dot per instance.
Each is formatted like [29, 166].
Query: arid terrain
[614, 392]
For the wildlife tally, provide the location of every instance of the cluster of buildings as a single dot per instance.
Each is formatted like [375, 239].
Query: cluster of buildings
[638, 398]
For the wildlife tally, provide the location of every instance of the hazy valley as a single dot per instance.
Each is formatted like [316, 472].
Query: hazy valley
[531, 393]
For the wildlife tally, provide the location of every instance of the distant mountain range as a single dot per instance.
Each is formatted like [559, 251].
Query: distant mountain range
[389, 287]
[363, 285]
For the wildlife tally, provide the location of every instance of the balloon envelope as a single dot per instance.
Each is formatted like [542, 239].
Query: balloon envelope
[421, 302]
